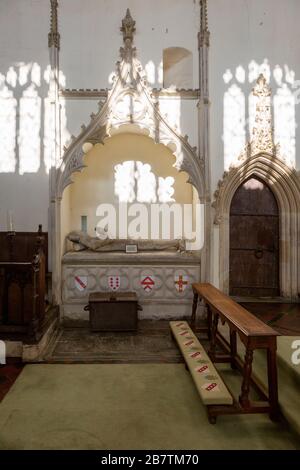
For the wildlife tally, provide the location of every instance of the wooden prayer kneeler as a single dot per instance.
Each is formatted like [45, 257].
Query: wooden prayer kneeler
[208, 382]
[254, 334]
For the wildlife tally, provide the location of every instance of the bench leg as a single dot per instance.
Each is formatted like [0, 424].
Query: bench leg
[209, 322]
[212, 349]
[244, 397]
[212, 419]
[273, 383]
[233, 348]
[194, 310]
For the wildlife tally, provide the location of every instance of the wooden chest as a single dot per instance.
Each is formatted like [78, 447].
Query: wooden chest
[111, 311]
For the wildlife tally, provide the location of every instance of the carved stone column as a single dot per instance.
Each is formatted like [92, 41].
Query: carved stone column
[203, 133]
[53, 96]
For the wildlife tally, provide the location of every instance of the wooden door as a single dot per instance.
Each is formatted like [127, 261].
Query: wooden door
[254, 241]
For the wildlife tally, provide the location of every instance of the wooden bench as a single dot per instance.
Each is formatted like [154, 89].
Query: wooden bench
[22, 285]
[208, 382]
[254, 334]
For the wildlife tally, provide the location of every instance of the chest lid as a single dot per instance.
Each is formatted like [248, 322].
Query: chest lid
[113, 297]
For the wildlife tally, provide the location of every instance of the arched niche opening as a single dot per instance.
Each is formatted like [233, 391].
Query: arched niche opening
[128, 168]
[285, 186]
[254, 241]
[177, 68]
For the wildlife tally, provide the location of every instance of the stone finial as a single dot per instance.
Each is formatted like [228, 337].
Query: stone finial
[128, 28]
[54, 36]
[261, 88]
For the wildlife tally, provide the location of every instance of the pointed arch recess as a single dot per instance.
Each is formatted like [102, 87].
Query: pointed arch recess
[129, 83]
[285, 184]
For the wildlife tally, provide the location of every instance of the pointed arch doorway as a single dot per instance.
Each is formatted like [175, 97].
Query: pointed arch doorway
[254, 241]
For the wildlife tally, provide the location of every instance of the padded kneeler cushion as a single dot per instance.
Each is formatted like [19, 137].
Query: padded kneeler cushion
[209, 384]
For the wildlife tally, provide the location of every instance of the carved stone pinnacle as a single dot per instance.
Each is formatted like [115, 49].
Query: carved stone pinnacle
[203, 35]
[54, 36]
[261, 87]
[128, 28]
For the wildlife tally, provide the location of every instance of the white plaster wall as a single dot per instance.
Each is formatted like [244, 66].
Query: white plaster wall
[75, 113]
[91, 36]
[24, 25]
[90, 42]
[91, 39]
[241, 31]
[245, 31]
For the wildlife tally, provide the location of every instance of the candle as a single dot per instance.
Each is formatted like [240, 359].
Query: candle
[10, 223]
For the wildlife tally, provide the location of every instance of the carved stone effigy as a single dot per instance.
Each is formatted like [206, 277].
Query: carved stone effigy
[161, 279]
[82, 241]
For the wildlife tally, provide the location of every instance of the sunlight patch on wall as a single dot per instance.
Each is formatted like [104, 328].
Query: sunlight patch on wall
[21, 117]
[146, 183]
[27, 119]
[135, 181]
[154, 73]
[125, 181]
[284, 123]
[29, 131]
[8, 105]
[150, 72]
[253, 184]
[129, 107]
[65, 133]
[240, 74]
[11, 77]
[255, 69]
[160, 73]
[171, 111]
[239, 122]
[49, 134]
[165, 189]
[234, 123]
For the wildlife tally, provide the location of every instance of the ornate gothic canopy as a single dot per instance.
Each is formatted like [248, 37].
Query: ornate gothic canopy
[131, 106]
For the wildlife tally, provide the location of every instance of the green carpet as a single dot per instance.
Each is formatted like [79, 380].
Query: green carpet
[123, 406]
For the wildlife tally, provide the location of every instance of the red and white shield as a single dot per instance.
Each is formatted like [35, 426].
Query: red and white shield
[81, 282]
[114, 282]
[148, 283]
[181, 281]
